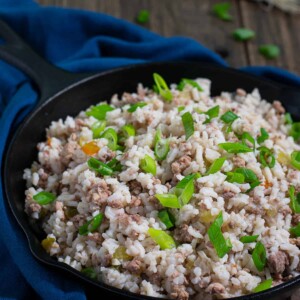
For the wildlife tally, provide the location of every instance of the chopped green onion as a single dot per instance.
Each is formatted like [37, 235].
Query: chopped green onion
[89, 272]
[183, 182]
[235, 147]
[91, 225]
[246, 136]
[263, 286]
[235, 177]
[112, 137]
[267, 158]
[128, 130]
[99, 111]
[184, 190]
[100, 167]
[259, 256]
[243, 34]
[97, 128]
[180, 108]
[167, 218]
[168, 200]
[143, 16]
[269, 51]
[249, 175]
[44, 198]
[216, 166]
[161, 146]
[295, 159]
[216, 237]
[148, 165]
[229, 117]
[185, 81]
[295, 131]
[295, 231]
[115, 165]
[212, 113]
[263, 136]
[221, 10]
[162, 87]
[248, 239]
[288, 119]
[188, 124]
[253, 185]
[164, 240]
[295, 200]
[135, 106]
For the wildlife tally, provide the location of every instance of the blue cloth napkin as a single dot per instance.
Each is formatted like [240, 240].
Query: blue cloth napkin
[77, 41]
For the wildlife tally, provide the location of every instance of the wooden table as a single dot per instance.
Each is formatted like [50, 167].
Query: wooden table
[193, 18]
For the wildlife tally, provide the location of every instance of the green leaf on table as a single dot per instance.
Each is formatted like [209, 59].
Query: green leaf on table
[269, 51]
[221, 10]
[243, 34]
[143, 16]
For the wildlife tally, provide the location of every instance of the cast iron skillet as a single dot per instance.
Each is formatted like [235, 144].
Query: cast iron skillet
[63, 93]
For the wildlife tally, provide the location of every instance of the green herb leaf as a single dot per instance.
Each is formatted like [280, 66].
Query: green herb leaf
[167, 218]
[295, 231]
[99, 167]
[229, 117]
[115, 165]
[97, 128]
[295, 200]
[216, 237]
[221, 10]
[269, 51]
[248, 239]
[235, 177]
[263, 136]
[259, 256]
[162, 87]
[44, 198]
[89, 272]
[216, 166]
[161, 146]
[135, 106]
[168, 200]
[128, 130]
[288, 119]
[295, 131]
[184, 190]
[164, 240]
[295, 159]
[212, 113]
[143, 16]
[112, 138]
[263, 286]
[91, 225]
[246, 136]
[99, 111]
[185, 81]
[249, 175]
[235, 147]
[148, 165]
[266, 156]
[243, 34]
[188, 124]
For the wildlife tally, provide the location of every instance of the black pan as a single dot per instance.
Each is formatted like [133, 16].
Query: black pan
[63, 93]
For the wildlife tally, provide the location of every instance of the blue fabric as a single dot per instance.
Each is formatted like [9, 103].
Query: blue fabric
[77, 41]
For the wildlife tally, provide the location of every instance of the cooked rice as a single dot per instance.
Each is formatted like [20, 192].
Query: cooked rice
[130, 208]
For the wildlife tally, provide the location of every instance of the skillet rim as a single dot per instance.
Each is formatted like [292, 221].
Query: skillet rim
[283, 287]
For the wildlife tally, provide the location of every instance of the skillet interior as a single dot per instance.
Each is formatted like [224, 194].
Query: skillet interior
[22, 149]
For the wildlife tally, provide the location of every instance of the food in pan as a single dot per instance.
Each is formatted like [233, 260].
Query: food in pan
[169, 192]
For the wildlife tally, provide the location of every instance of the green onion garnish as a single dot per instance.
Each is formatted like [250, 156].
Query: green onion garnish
[248, 239]
[216, 166]
[115, 165]
[43, 198]
[99, 111]
[162, 87]
[112, 137]
[263, 286]
[295, 200]
[269, 51]
[184, 189]
[168, 200]
[143, 16]
[216, 237]
[229, 117]
[259, 256]
[185, 81]
[128, 130]
[263, 136]
[161, 146]
[89, 272]
[235, 177]
[135, 106]
[288, 118]
[246, 136]
[91, 225]
[295, 131]
[266, 156]
[221, 10]
[249, 175]
[167, 218]
[98, 166]
[164, 240]
[295, 159]
[243, 34]
[212, 113]
[235, 147]
[188, 124]
[97, 128]
[295, 231]
[148, 165]
[180, 108]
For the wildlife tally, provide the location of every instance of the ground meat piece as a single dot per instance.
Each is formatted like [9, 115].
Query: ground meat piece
[135, 201]
[286, 210]
[179, 292]
[241, 92]
[253, 209]
[228, 195]
[278, 107]
[99, 193]
[108, 156]
[180, 165]
[296, 219]
[105, 260]
[136, 218]
[68, 151]
[215, 288]
[33, 207]
[43, 178]
[182, 235]
[277, 262]
[116, 204]
[295, 241]
[95, 237]
[155, 279]
[128, 98]
[238, 161]
[135, 187]
[134, 266]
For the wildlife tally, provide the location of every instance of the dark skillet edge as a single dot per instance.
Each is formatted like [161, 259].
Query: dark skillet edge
[46, 259]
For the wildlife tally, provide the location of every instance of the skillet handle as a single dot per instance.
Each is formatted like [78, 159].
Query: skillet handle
[48, 78]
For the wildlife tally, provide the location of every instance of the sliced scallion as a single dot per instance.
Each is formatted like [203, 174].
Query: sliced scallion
[235, 147]
[246, 136]
[216, 165]
[288, 119]
[162, 87]
[99, 111]
[184, 190]
[135, 106]
[295, 159]
[229, 117]
[97, 128]
[98, 166]
[295, 131]
[266, 156]
[295, 231]
[115, 165]
[263, 136]
[161, 146]
[91, 225]
[295, 200]
[148, 165]
[188, 124]
[235, 177]
[128, 130]
[44, 198]
[265, 285]
[180, 108]
[167, 218]
[164, 240]
[259, 256]
[168, 200]
[212, 113]
[112, 138]
[185, 81]
[248, 239]
[89, 272]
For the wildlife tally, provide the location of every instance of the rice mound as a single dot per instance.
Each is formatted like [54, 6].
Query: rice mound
[120, 251]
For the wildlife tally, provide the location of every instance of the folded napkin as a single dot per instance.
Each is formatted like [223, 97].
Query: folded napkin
[77, 41]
